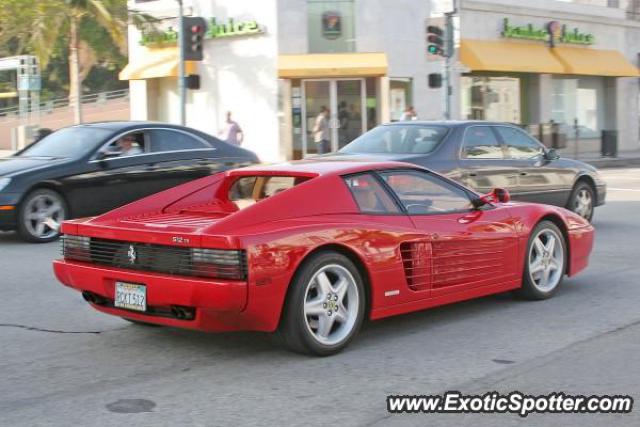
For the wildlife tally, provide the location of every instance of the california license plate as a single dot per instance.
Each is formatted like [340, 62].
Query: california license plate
[131, 296]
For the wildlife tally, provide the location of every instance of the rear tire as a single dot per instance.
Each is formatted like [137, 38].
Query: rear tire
[40, 216]
[582, 200]
[325, 305]
[545, 262]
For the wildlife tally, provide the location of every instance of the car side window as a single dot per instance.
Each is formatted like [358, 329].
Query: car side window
[169, 140]
[481, 143]
[370, 196]
[519, 144]
[423, 193]
[127, 145]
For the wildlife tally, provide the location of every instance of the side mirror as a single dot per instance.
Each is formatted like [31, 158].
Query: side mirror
[500, 195]
[551, 154]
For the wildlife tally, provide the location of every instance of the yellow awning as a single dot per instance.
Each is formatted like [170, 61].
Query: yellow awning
[594, 62]
[155, 63]
[489, 55]
[332, 65]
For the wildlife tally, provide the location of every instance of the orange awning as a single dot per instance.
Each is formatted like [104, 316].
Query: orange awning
[595, 62]
[332, 65]
[155, 63]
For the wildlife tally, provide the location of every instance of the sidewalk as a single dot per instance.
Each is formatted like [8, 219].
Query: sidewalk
[624, 159]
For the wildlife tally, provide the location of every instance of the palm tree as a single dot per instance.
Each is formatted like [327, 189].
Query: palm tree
[37, 25]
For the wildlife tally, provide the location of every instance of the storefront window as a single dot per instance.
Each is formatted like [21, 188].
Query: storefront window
[331, 26]
[400, 96]
[491, 98]
[578, 100]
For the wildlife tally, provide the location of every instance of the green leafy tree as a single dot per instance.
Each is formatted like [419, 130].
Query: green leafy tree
[87, 31]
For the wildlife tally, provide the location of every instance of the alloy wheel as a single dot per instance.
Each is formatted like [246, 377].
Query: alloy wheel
[546, 260]
[43, 215]
[583, 203]
[331, 304]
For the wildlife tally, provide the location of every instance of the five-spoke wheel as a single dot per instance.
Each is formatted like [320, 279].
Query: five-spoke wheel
[40, 216]
[325, 305]
[582, 200]
[545, 261]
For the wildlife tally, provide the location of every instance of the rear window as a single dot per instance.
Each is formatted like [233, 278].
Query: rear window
[249, 190]
[398, 139]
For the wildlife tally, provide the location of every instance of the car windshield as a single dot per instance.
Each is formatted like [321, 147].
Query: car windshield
[398, 139]
[68, 142]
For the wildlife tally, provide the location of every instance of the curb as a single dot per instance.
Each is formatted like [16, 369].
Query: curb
[613, 162]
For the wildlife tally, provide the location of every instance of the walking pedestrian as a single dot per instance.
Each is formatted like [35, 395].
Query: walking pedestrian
[231, 132]
[321, 131]
[409, 114]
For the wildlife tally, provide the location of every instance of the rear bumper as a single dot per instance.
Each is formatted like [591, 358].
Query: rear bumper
[580, 246]
[218, 305]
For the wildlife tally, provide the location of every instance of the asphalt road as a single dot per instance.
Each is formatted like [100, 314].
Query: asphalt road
[61, 363]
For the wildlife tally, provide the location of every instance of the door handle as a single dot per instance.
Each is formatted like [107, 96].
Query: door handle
[523, 174]
[473, 174]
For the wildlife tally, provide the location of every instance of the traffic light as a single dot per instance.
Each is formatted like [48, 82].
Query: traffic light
[192, 33]
[435, 42]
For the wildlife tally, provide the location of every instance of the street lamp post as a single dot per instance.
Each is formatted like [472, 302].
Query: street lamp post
[182, 90]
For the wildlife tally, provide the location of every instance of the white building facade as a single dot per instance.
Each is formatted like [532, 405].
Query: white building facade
[275, 63]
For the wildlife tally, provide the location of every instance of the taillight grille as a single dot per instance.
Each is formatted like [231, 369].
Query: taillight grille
[212, 263]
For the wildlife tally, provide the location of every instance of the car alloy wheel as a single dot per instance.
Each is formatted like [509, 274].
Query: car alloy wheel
[325, 305]
[546, 260]
[583, 203]
[41, 216]
[331, 304]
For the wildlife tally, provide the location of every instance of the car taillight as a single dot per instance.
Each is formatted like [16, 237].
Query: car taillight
[76, 247]
[219, 263]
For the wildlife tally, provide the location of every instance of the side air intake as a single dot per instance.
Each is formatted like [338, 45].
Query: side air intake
[416, 259]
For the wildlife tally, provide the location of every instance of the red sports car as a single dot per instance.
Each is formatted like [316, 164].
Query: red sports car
[311, 248]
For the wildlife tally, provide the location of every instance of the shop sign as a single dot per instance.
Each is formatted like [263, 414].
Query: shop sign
[215, 29]
[331, 25]
[552, 33]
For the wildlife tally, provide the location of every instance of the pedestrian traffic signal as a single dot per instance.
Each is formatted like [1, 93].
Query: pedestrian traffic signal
[435, 80]
[435, 43]
[192, 34]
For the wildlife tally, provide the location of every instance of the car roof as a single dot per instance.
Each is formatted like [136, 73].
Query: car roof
[446, 123]
[321, 166]
[128, 124]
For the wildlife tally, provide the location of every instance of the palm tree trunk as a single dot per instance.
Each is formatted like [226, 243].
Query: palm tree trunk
[74, 71]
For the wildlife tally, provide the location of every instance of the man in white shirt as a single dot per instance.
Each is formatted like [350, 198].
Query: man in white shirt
[321, 131]
[231, 132]
[126, 146]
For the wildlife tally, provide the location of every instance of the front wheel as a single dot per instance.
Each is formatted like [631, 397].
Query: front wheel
[325, 306]
[544, 263]
[582, 200]
[40, 215]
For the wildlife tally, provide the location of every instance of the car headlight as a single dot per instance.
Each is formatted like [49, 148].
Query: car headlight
[4, 182]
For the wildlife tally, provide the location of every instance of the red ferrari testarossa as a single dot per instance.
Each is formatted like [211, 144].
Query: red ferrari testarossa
[311, 248]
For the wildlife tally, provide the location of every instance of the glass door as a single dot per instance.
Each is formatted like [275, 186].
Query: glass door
[316, 137]
[334, 112]
[351, 111]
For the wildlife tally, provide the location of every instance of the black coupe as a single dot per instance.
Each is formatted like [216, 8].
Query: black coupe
[485, 155]
[88, 169]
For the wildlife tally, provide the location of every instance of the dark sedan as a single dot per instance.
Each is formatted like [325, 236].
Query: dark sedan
[89, 169]
[485, 155]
